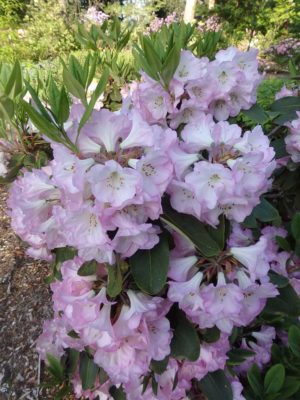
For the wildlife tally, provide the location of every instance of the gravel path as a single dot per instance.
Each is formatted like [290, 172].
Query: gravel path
[25, 302]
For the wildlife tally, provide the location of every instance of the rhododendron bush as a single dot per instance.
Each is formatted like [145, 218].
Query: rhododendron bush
[172, 230]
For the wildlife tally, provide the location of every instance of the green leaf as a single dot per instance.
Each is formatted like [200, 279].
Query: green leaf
[192, 229]
[274, 379]
[185, 343]
[103, 376]
[53, 96]
[286, 104]
[265, 212]
[72, 361]
[88, 371]
[218, 234]
[216, 386]
[287, 107]
[283, 243]
[37, 102]
[211, 335]
[254, 379]
[42, 124]
[88, 268]
[159, 366]
[117, 393]
[154, 386]
[291, 386]
[257, 114]
[149, 268]
[14, 85]
[74, 86]
[99, 89]
[238, 356]
[63, 107]
[170, 65]
[114, 285]
[294, 340]
[279, 148]
[55, 367]
[7, 108]
[151, 55]
[287, 303]
[278, 280]
[295, 226]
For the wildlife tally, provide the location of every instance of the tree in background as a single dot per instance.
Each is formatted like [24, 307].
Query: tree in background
[264, 19]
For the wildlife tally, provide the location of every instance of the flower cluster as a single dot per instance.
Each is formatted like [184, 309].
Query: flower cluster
[237, 297]
[221, 87]
[211, 24]
[286, 48]
[157, 23]
[105, 202]
[95, 16]
[114, 184]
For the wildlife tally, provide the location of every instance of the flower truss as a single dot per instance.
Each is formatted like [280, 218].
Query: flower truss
[106, 203]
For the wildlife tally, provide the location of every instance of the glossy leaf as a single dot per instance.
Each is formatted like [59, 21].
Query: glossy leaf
[114, 285]
[265, 212]
[255, 381]
[150, 267]
[295, 226]
[88, 371]
[88, 268]
[185, 343]
[216, 386]
[294, 340]
[192, 229]
[274, 379]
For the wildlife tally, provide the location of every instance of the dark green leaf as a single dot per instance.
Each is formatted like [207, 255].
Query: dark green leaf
[279, 147]
[88, 268]
[55, 367]
[218, 234]
[216, 386]
[238, 356]
[185, 343]
[291, 386]
[257, 114]
[72, 361]
[88, 371]
[192, 229]
[294, 340]
[286, 104]
[114, 285]
[159, 366]
[278, 280]
[150, 267]
[211, 335]
[255, 381]
[265, 212]
[295, 226]
[287, 303]
[274, 379]
[283, 243]
[117, 393]
[154, 386]
[103, 377]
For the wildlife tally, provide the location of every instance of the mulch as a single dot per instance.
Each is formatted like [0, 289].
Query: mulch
[25, 302]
